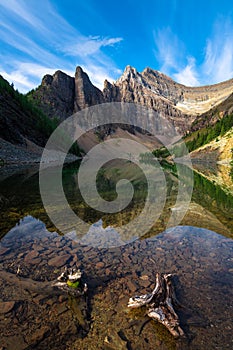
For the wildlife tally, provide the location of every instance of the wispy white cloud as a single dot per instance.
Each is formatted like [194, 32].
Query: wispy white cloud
[20, 81]
[36, 70]
[99, 74]
[20, 10]
[218, 63]
[216, 66]
[168, 49]
[188, 75]
[45, 41]
[27, 46]
[25, 75]
[89, 46]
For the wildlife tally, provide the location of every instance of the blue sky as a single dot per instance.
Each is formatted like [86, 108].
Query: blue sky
[189, 40]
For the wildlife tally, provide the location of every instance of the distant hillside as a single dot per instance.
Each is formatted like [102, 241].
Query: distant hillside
[24, 129]
[215, 161]
[217, 150]
[213, 139]
[210, 117]
[206, 134]
[211, 145]
[20, 120]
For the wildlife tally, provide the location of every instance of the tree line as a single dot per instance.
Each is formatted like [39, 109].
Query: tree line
[210, 133]
[42, 123]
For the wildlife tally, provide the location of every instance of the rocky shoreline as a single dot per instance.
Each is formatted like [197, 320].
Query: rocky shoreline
[14, 154]
[198, 258]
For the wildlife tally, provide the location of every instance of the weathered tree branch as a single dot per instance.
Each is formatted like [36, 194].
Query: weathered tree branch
[160, 304]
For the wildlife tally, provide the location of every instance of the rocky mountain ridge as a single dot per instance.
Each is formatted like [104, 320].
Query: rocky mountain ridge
[61, 95]
[155, 85]
[136, 87]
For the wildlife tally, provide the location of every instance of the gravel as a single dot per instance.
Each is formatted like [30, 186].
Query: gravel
[14, 154]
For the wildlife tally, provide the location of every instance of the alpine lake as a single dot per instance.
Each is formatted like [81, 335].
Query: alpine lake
[33, 253]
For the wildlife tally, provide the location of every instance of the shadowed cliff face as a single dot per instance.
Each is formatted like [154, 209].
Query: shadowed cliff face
[55, 95]
[61, 95]
[85, 93]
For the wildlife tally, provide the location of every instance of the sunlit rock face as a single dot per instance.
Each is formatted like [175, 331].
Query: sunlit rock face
[61, 95]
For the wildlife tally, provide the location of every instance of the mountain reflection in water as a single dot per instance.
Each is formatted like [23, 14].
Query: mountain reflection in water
[199, 258]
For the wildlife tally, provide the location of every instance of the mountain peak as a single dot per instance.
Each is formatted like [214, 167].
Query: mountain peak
[80, 74]
[129, 69]
[47, 80]
[58, 76]
[129, 73]
[61, 95]
[79, 70]
[156, 73]
[86, 94]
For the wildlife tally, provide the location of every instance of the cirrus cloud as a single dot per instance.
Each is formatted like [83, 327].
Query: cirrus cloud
[43, 42]
[216, 66]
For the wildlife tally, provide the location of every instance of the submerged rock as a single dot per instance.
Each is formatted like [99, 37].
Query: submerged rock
[6, 306]
[59, 260]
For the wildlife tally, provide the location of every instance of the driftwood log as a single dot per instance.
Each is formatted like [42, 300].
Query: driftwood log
[160, 304]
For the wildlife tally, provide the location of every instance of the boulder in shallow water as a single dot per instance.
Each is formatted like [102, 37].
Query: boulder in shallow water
[6, 306]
